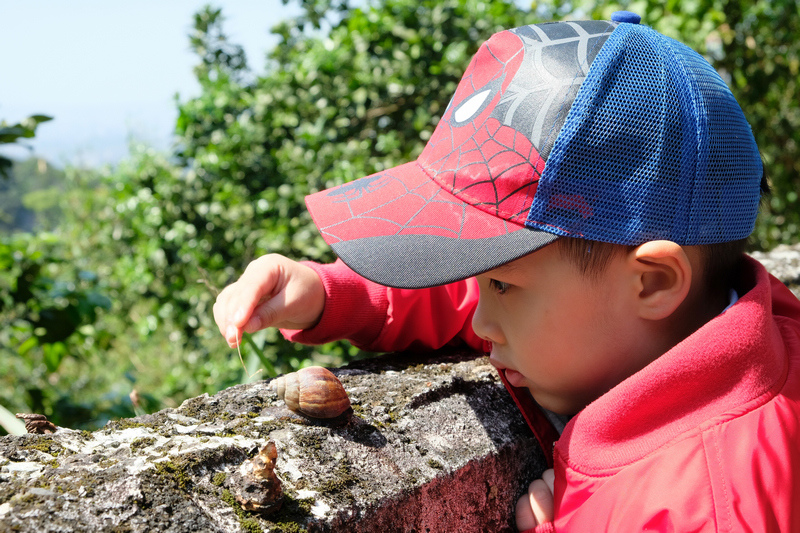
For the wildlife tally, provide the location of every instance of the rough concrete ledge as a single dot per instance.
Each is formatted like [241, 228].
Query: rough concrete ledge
[434, 444]
[784, 263]
[437, 447]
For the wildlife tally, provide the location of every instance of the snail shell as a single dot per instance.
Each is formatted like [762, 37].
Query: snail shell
[35, 423]
[255, 485]
[313, 391]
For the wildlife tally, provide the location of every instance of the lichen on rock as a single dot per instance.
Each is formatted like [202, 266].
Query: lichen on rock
[413, 423]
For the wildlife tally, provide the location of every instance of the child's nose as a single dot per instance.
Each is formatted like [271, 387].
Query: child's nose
[485, 326]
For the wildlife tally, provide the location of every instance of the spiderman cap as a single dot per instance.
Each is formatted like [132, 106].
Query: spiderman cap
[601, 130]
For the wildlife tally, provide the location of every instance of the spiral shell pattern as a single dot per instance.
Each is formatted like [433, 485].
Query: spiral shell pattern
[313, 391]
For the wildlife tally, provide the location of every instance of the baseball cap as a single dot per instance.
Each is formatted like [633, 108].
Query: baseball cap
[601, 130]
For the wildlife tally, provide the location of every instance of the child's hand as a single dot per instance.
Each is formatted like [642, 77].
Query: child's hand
[536, 507]
[272, 291]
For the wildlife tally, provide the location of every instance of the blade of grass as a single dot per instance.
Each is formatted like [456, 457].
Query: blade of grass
[12, 424]
[269, 368]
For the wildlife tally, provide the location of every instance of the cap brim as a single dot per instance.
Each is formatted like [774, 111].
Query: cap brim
[401, 229]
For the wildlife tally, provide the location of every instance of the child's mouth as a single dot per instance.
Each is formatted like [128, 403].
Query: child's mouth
[512, 376]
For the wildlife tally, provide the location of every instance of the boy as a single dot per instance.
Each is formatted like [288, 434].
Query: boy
[580, 212]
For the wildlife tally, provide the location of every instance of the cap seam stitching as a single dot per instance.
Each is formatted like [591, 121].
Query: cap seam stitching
[679, 61]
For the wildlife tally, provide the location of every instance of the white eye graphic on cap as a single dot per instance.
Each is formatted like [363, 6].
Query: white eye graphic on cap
[471, 106]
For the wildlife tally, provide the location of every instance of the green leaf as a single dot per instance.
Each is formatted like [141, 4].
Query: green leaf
[12, 424]
[40, 118]
[53, 355]
[27, 345]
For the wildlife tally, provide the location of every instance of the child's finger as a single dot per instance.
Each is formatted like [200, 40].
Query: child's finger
[524, 514]
[549, 477]
[231, 335]
[267, 313]
[238, 302]
[541, 501]
[221, 316]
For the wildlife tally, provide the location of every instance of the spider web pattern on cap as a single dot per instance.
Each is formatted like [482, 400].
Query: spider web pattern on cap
[490, 148]
[461, 208]
[516, 91]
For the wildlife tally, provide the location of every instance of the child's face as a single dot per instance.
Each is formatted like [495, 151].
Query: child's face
[560, 334]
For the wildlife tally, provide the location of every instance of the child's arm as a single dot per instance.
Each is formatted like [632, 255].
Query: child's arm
[315, 304]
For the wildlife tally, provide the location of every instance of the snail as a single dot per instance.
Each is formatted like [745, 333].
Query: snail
[35, 423]
[255, 485]
[313, 392]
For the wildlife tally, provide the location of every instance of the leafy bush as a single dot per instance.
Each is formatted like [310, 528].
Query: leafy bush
[119, 297]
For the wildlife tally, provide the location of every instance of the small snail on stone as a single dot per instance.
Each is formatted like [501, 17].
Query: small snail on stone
[313, 391]
[35, 423]
[255, 485]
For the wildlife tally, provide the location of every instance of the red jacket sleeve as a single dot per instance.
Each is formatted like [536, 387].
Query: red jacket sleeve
[382, 319]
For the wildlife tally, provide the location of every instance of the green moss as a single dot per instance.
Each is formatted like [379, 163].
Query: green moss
[175, 472]
[193, 407]
[305, 505]
[142, 442]
[219, 479]
[200, 409]
[309, 441]
[179, 469]
[227, 497]
[250, 525]
[343, 478]
[46, 445]
[127, 423]
[292, 514]
[433, 463]
[247, 522]
[242, 426]
[289, 527]
[263, 430]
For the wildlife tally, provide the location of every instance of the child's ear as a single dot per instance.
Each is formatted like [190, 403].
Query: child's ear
[663, 275]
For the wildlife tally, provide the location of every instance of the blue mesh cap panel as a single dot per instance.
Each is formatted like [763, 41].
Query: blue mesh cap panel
[654, 147]
[726, 198]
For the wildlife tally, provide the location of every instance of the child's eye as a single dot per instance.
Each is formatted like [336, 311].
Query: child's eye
[499, 286]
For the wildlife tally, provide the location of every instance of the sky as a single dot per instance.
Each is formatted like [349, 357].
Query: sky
[108, 71]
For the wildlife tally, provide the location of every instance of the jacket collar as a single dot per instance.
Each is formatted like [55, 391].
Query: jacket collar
[733, 359]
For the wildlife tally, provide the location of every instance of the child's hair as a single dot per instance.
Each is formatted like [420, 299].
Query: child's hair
[721, 261]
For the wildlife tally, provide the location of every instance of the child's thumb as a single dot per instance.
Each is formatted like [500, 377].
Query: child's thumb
[265, 315]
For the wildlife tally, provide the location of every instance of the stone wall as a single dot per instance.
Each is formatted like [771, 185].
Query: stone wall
[434, 443]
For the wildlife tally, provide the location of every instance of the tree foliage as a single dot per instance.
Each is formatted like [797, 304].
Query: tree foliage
[30, 196]
[756, 48]
[13, 134]
[348, 91]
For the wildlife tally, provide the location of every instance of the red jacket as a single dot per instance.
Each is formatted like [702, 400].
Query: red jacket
[705, 438]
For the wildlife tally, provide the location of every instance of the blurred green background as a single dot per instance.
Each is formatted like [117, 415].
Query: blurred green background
[108, 275]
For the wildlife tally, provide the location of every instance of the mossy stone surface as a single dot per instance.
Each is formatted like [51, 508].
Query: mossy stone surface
[420, 423]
